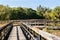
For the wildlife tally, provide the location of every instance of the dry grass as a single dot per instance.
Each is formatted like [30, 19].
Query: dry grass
[1, 25]
[54, 32]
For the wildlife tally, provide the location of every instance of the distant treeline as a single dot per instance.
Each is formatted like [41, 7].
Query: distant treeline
[16, 13]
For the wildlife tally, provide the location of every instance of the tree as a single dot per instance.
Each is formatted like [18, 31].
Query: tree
[4, 12]
[8, 13]
[31, 14]
[41, 11]
[57, 12]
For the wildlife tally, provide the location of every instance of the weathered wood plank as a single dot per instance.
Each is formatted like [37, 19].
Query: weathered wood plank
[13, 35]
[20, 34]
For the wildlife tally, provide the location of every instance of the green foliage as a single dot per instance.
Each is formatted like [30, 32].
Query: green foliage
[40, 11]
[57, 12]
[57, 24]
[8, 13]
[4, 12]
[53, 14]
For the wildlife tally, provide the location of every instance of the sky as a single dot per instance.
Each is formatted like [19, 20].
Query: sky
[31, 3]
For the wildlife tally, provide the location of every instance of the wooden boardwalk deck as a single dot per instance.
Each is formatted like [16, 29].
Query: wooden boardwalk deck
[30, 33]
[15, 36]
[21, 35]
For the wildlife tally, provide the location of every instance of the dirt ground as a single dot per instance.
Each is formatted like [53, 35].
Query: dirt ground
[1, 25]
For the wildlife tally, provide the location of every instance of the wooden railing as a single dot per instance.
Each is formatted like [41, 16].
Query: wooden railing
[41, 35]
[5, 31]
[28, 35]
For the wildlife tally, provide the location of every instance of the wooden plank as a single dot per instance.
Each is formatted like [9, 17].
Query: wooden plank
[20, 34]
[48, 35]
[13, 35]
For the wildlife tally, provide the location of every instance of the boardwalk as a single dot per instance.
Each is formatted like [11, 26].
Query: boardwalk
[20, 34]
[23, 31]
[16, 34]
[13, 35]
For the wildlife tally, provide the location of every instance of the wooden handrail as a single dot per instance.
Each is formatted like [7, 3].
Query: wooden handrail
[5, 31]
[28, 33]
[45, 35]
[5, 26]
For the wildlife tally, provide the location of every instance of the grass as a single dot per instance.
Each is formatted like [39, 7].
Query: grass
[54, 32]
[58, 24]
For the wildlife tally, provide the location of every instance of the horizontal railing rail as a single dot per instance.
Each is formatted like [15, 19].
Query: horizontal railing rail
[41, 35]
[5, 26]
[5, 31]
[28, 35]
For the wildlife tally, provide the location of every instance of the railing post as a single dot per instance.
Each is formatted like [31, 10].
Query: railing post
[0, 35]
[40, 37]
[4, 31]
